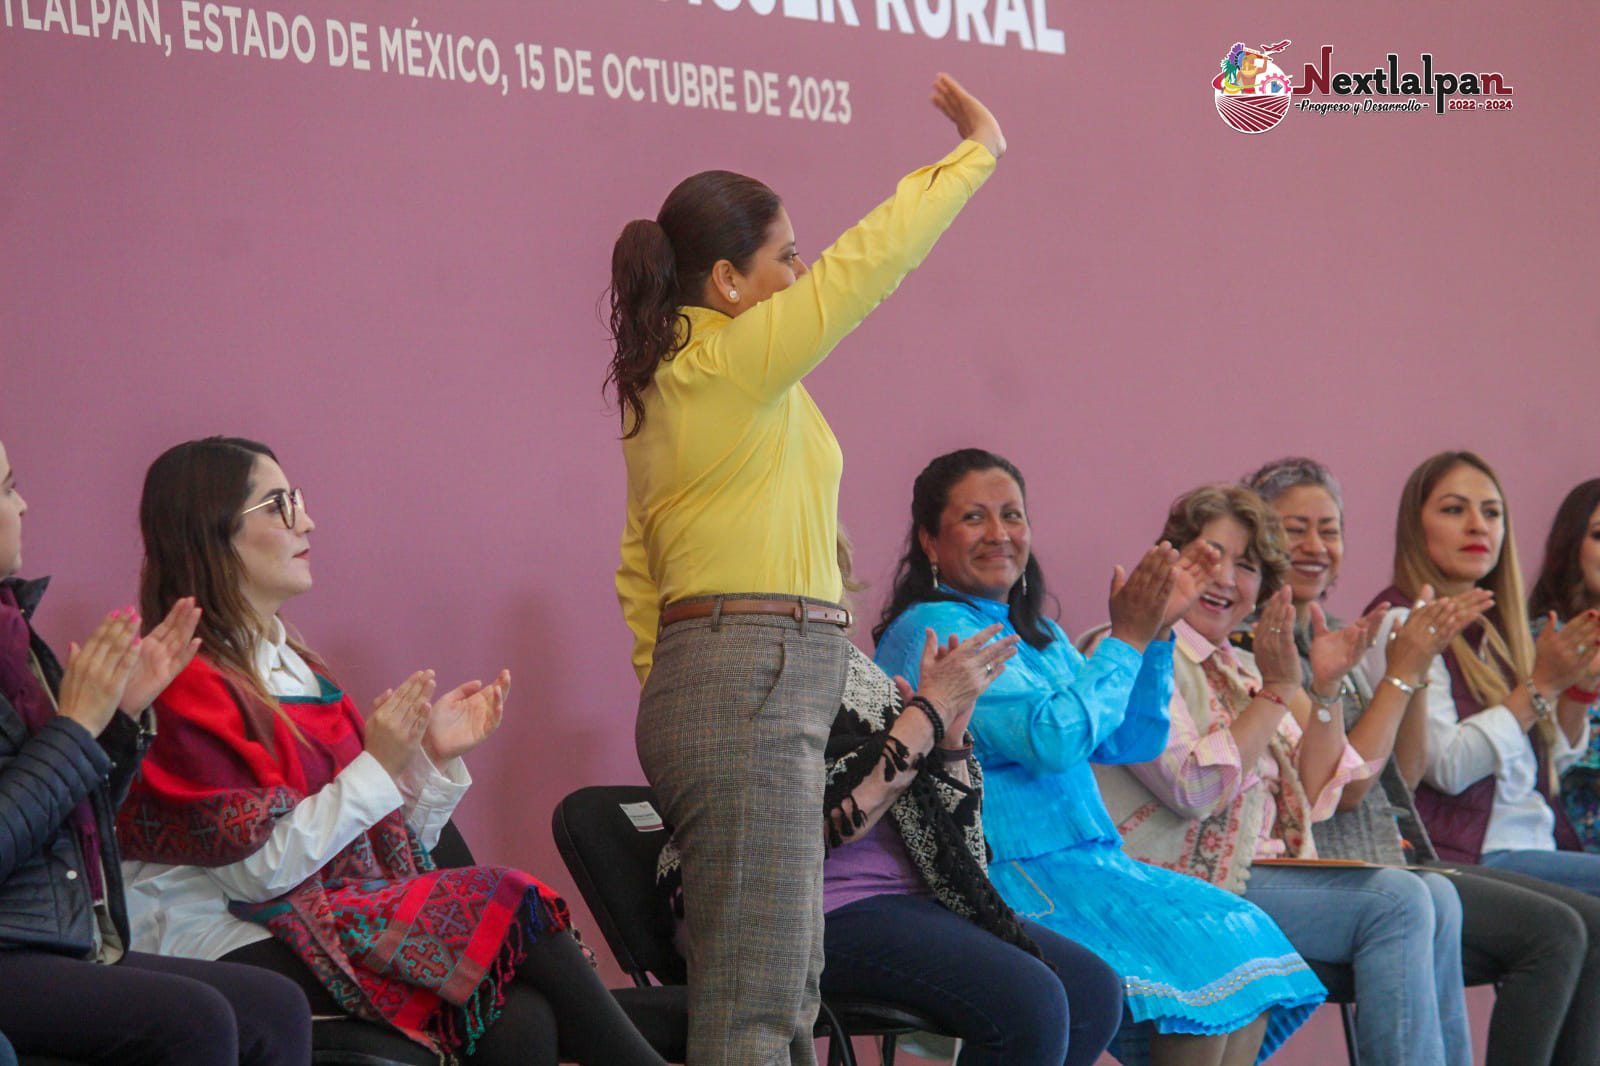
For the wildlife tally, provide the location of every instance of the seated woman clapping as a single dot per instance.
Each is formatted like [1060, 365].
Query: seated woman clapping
[1208, 978]
[1505, 714]
[1569, 585]
[70, 742]
[274, 826]
[912, 917]
[1537, 943]
[1248, 768]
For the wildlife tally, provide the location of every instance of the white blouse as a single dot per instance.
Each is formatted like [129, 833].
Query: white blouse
[1462, 752]
[183, 910]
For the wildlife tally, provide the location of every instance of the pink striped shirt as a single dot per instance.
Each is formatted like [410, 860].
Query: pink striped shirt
[1197, 773]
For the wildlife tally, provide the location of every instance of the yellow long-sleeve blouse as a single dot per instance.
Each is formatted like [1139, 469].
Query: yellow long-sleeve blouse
[733, 482]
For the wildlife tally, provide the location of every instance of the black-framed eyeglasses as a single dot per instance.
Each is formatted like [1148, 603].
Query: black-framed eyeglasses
[289, 504]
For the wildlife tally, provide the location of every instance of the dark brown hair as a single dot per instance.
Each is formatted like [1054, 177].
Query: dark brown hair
[660, 265]
[188, 515]
[1561, 587]
[913, 577]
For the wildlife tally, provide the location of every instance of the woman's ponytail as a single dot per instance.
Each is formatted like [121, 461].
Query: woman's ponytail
[658, 267]
[644, 314]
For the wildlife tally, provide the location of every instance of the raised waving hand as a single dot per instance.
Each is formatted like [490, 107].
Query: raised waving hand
[973, 121]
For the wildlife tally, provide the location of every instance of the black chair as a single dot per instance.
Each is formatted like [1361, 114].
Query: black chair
[613, 862]
[345, 1041]
[1340, 981]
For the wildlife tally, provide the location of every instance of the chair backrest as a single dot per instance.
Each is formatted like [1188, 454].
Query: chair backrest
[610, 845]
[451, 850]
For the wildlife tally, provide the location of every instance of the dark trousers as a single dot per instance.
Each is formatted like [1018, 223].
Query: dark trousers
[149, 1010]
[1007, 1006]
[1539, 943]
[556, 1009]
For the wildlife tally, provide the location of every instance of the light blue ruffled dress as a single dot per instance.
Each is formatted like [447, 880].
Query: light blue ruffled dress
[1193, 958]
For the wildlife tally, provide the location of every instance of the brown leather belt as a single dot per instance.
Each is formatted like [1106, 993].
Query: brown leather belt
[798, 609]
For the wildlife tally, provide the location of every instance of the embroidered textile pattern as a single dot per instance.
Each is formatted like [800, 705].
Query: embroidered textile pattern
[391, 937]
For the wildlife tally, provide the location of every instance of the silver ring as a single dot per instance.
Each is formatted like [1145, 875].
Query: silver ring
[988, 668]
[1583, 649]
[1435, 629]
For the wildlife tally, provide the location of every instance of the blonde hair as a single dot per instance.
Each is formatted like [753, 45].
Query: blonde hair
[846, 549]
[1504, 659]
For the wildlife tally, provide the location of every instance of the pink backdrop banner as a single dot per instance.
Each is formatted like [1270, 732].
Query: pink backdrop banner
[376, 236]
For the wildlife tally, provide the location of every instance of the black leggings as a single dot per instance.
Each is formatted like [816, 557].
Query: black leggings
[1535, 940]
[556, 1008]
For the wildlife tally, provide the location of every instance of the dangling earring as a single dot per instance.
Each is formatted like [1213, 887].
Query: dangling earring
[1024, 584]
[935, 575]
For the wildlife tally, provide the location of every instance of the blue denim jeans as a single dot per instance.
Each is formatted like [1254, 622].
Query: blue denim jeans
[1401, 932]
[1575, 869]
[1007, 1006]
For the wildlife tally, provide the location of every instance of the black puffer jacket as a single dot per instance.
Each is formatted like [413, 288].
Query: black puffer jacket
[44, 886]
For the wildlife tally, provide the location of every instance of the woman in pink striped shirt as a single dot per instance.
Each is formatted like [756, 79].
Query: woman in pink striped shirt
[1251, 763]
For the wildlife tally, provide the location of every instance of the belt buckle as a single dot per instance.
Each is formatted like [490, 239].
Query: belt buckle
[799, 612]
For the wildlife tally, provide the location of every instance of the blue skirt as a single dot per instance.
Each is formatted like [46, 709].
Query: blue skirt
[1193, 958]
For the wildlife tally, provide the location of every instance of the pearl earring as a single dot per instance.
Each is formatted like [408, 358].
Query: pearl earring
[733, 294]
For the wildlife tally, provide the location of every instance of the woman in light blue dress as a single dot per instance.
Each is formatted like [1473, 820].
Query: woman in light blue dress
[1208, 978]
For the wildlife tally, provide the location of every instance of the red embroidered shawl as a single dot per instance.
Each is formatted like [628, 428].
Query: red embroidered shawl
[389, 935]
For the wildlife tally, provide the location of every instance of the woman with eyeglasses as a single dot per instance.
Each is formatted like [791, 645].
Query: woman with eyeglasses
[70, 742]
[276, 826]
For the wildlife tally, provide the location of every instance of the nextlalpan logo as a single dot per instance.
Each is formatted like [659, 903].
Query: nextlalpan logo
[1253, 93]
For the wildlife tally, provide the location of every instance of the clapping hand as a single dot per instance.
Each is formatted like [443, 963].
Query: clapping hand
[399, 718]
[1335, 652]
[973, 121]
[97, 673]
[1139, 600]
[1429, 629]
[954, 675]
[1567, 656]
[1275, 652]
[163, 653]
[1196, 565]
[464, 717]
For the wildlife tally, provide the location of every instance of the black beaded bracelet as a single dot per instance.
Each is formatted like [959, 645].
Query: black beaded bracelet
[933, 716]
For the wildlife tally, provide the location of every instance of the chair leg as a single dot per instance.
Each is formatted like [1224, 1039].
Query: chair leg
[889, 1043]
[1347, 1013]
[840, 1053]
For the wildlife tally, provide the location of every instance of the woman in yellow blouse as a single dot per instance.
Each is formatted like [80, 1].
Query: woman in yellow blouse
[729, 576]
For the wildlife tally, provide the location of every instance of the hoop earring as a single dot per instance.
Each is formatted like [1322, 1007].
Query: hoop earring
[935, 567]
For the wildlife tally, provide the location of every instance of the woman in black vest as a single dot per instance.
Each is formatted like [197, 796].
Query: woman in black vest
[1501, 721]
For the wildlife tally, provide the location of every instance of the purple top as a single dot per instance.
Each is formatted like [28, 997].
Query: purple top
[873, 865]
